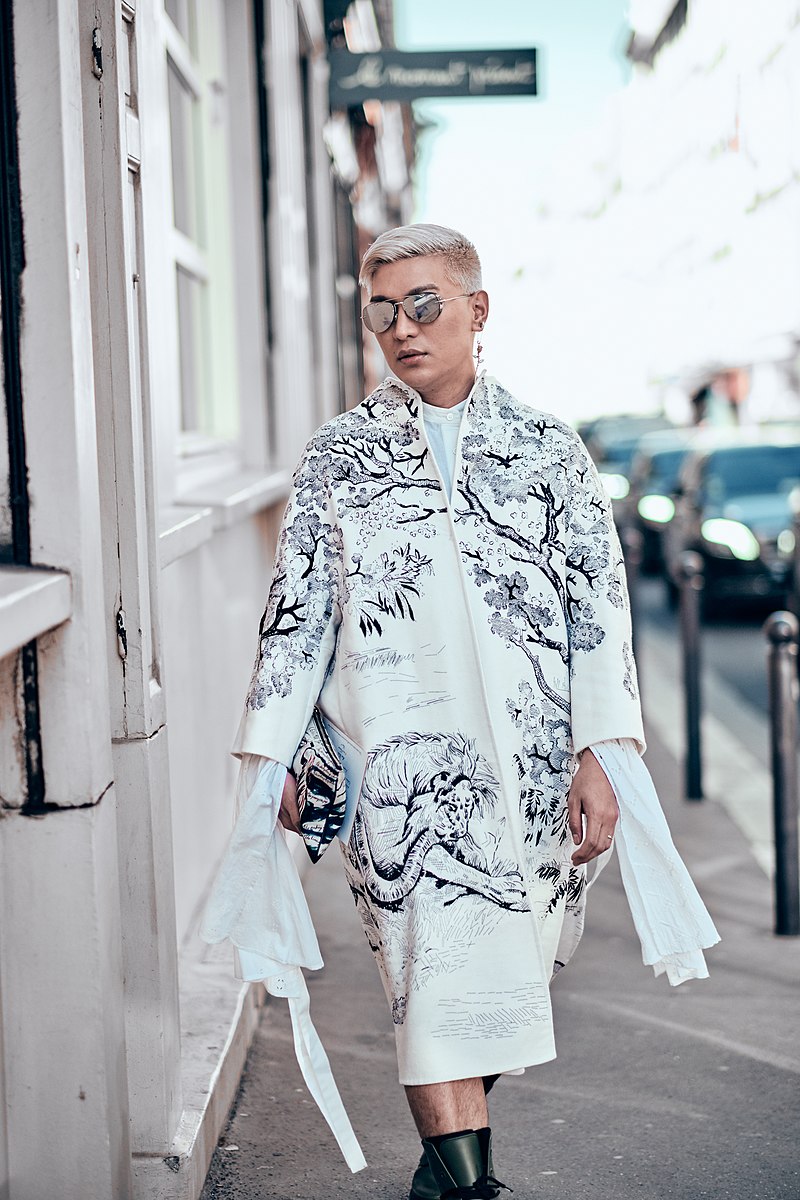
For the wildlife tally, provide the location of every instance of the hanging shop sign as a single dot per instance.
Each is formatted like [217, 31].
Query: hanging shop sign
[411, 75]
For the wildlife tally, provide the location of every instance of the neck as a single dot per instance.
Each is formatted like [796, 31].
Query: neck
[452, 390]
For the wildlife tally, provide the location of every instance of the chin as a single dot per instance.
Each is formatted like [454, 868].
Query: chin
[408, 372]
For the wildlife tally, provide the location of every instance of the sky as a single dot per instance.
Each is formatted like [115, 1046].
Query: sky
[486, 166]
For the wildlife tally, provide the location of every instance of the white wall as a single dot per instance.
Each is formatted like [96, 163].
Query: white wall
[212, 602]
[100, 894]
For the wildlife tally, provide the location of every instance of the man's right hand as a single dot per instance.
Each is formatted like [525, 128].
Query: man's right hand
[289, 815]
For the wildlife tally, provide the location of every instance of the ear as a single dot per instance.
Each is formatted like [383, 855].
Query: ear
[480, 310]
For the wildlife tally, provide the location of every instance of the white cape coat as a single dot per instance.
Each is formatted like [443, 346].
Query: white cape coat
[471, 647]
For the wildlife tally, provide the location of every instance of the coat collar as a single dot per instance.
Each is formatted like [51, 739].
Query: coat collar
[398, 401]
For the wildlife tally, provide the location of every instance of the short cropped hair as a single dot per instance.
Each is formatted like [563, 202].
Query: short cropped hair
[412, 241]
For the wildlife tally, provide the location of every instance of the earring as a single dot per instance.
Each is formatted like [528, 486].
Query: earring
[479, 348]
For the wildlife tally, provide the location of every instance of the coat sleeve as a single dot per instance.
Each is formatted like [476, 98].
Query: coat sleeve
[604, 691]
[297, 634]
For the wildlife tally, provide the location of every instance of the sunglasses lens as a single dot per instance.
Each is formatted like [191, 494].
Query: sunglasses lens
[378, 316]
[424, 308]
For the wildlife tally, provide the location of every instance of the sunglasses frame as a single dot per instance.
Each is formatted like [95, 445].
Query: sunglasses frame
[398, 304]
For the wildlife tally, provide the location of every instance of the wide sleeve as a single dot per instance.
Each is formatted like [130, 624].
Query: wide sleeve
[256, 900]
[604, 691]
[672, 921]
[297, 634]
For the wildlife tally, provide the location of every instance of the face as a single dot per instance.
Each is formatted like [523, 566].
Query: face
[455, 806]
[430, 358]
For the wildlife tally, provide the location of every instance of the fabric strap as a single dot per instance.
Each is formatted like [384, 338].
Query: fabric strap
[314, 1065]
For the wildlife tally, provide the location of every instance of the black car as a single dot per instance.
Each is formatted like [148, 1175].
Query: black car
[613, 443]
[735, 508]
[654, 476]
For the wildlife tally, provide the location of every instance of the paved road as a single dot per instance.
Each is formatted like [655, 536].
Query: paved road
[733, 647]
[664, 1094]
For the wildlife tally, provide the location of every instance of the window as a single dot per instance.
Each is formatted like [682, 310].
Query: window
[201, 239]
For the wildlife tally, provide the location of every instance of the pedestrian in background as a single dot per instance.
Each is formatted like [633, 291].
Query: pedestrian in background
[449, 594]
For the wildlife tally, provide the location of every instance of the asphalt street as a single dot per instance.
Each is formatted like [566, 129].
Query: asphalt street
[683, 1093]
[733, 645]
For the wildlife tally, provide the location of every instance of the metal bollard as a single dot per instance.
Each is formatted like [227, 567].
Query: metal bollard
[633, 547]
[781, 629]
[690, 567]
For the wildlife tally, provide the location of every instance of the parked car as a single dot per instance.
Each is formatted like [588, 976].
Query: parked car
[612, 443]
[650, 506]
[735, 508]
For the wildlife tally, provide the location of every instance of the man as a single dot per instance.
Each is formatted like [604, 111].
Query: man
[449, 589]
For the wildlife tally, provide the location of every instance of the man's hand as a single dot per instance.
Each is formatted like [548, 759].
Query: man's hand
[591, 796]
[289, 815]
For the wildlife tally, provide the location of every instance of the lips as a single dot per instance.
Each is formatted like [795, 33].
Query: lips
[408, 356]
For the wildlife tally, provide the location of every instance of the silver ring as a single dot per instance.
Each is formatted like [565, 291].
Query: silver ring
[610, 837]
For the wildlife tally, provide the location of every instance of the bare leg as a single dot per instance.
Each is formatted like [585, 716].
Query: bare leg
[448, 1107]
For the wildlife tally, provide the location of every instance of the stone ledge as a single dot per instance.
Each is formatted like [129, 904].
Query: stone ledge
[32, 601]
[219, 1015]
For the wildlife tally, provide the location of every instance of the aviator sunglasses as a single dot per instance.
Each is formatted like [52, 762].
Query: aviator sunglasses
[380, 315]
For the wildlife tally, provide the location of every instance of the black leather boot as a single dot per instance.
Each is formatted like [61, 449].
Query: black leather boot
[424, 1185]
[461, 1165]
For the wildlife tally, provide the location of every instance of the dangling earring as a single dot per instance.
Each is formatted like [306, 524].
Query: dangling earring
[478, 356]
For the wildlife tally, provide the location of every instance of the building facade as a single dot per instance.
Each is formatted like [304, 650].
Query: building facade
[180, 224]
[710, 167]
[673, 225]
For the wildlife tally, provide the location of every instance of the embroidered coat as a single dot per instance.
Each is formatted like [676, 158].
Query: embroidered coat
[471, 645]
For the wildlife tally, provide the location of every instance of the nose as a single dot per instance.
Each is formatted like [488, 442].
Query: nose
[403, 326]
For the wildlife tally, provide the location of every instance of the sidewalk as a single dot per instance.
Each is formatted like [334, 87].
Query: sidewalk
[684, 1093]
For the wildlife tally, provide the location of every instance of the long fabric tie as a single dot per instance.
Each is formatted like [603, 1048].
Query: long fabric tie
[257, 903]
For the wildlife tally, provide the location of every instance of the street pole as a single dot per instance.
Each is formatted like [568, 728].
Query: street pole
[781, 629]
[691, 585]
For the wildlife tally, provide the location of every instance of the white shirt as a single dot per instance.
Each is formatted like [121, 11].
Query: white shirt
[442, 426]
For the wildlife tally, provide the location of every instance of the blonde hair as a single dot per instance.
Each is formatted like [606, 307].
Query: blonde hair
[412, 241]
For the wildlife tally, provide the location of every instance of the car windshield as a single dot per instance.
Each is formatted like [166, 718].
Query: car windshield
[617, 456]
[752, 470]
[664, 469]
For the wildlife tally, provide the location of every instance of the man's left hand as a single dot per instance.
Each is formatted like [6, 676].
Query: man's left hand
[592, 797]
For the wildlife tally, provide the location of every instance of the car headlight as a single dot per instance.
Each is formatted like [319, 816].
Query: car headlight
[656, 508]
[786, 542]
[736, 537]
[617, 486]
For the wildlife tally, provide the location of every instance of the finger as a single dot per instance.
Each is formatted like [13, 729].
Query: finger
[584, 854]
[589, 846]
[286, 821]
[597, 841]
[289, 814]
[575, 816]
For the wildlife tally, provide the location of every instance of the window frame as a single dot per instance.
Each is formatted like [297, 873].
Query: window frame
[192, 460]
